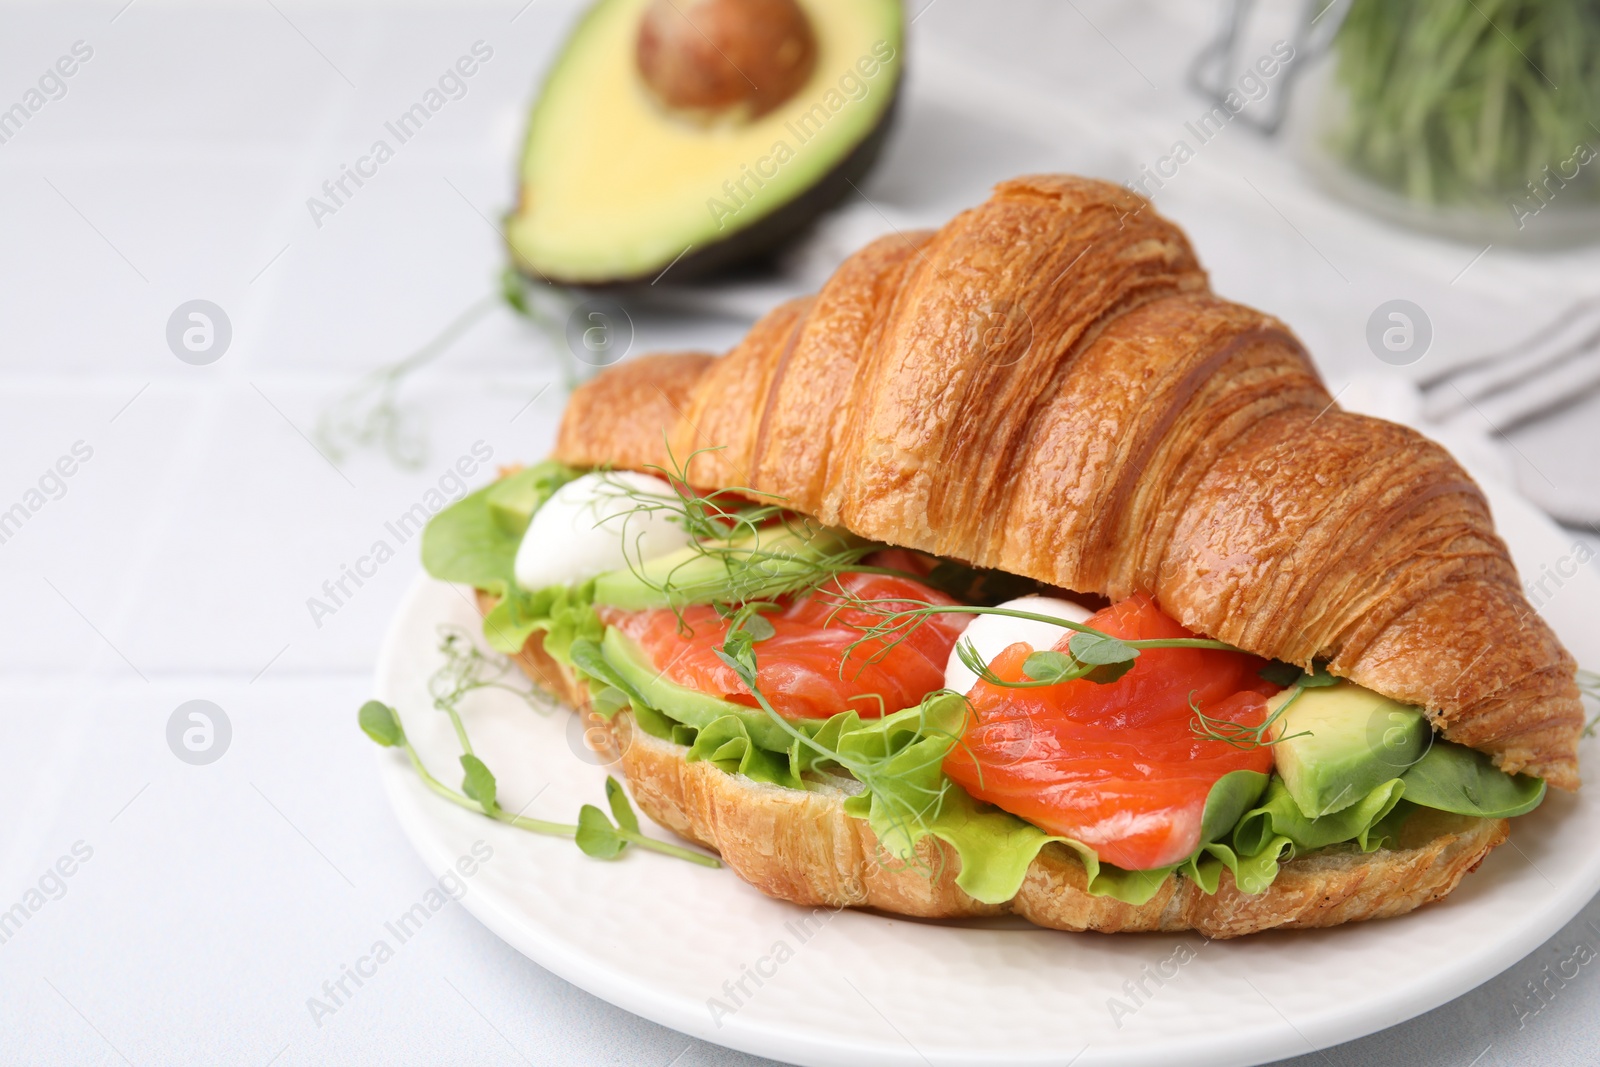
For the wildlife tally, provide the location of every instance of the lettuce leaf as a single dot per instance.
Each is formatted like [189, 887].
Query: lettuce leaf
[1274, 832]
[727, 743]
[565, 614]
[1455, 778]
[996, 849]
[568, 619]
[908, 797]
[1250, 827]
[900, 761]
[464, 543]
[1002, 846]
[475, 543]
[471, 543]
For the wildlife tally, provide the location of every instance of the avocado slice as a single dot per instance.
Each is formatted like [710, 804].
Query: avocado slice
[614, 187]
[1464, 781]
[513, 499]
[1338, 743]
[766, 563]
[680, 703]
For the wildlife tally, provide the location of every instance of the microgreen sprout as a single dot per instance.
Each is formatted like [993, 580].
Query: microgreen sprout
[746, 626]
[1589, 685]
[1462, 102]
[1092, 653]
[910, 804]
[1095, 656]
[973, 660]
[1242, 735]
[1238, 734]
[597, 836]
[370, 415]
[466, 669]
[766, 552]
[758, 551]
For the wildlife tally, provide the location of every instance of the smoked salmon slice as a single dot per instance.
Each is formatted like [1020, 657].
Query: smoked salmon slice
[802, 669]
[1115, 766]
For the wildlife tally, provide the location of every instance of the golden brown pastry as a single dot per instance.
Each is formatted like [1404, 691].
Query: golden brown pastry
[1046, 386]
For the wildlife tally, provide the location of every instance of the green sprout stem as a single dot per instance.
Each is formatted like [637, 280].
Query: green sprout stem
[369, 413]
[977, 609]
[652, 845]
[467, 669]
[861, 769]
[494, 811]
[973, 660]
[543, 826]
[897, 625]
[1589, 685]
[1207, 728]
[460, 728]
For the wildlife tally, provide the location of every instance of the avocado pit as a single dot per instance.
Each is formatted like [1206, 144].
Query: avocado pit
[717, 60]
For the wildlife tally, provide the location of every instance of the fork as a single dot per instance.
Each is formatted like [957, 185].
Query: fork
[1547, 372]
[1528, 382]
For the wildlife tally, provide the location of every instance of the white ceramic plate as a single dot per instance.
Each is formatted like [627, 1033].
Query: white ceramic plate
[664, 938]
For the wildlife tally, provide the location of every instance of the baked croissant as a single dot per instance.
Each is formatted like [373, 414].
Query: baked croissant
[1047, 386]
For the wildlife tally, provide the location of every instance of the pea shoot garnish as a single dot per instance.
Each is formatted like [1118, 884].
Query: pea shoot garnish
[1092, 653]
[1589, 685]
[467, 669]
[1243, 735]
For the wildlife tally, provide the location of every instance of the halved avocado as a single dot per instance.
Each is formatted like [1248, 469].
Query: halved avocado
[616, 186]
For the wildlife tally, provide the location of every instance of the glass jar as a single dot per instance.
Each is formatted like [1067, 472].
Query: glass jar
[1469, 118]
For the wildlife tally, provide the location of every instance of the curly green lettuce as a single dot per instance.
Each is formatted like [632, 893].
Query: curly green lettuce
[1251, 826]
[474, 542]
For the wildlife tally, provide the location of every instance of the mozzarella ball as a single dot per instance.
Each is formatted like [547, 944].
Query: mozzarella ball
[596, 524]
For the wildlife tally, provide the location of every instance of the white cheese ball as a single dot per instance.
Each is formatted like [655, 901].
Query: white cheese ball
[993, 634]
[596, 524]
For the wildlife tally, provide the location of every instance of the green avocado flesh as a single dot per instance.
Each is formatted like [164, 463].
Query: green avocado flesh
[767, 562]
[513, 499]
[1340, 742]
[680, 703]
[614, 189]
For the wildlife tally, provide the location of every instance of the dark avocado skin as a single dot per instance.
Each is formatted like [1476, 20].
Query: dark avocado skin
[767, 236]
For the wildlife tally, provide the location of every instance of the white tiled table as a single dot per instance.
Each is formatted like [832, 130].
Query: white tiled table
[178, 560]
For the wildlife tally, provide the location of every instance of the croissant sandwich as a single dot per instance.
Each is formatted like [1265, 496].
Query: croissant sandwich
[1015, 571]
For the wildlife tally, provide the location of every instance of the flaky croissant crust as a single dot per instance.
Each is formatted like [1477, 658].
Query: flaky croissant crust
[1047, 386]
